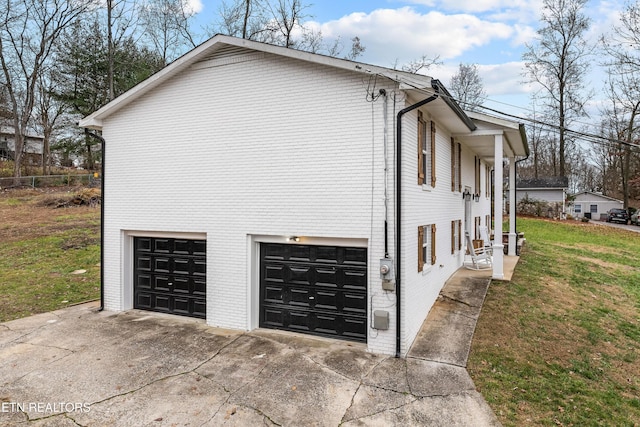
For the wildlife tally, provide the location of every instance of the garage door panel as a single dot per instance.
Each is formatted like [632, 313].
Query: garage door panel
[161, 246]
[143, 281]
[355, 256]
[300, 275]
[355, 303]
[299, 297]
[170, 275]
[182, 285]
[144, 263]
[354, 280]
[161, 284]
[199, 288]
[312, 289]
[273, 317]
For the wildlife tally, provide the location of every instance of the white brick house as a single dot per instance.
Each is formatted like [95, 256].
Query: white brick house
[257, 186]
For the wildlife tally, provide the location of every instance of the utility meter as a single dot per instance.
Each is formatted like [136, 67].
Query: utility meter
[386, 269]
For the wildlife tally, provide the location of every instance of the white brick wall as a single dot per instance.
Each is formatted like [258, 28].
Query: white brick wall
[267, 149]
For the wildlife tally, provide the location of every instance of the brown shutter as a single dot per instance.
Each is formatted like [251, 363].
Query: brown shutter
[421, 146]
[476, 163]
[453, 165]
[433, 244]
[459, 167]
[459, 234]
[453, 237]
[433, 154]
[420, 242]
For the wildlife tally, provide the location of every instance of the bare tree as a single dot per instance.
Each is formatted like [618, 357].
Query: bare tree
[49, 111]
[167, 27]
[558, 63]
[467, 88]
[122, 21]
[622, 47]
[286, 17]
[421, 64]
[29, 30]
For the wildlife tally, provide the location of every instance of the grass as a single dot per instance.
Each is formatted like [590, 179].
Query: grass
[49, 258]
[559, 344]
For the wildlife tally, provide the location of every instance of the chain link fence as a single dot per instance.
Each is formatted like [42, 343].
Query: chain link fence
[89, 180]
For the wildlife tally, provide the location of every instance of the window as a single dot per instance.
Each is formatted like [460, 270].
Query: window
[593, 209]
[456, 172]
[477, 224]
[426, 246]
[577, 208]
[456, 236]
[487, 222]
[426, 152]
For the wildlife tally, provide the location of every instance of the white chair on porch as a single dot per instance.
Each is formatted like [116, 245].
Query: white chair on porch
[484, 235]
[480, 258]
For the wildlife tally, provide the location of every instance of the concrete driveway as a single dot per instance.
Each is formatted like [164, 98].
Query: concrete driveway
[79, 366]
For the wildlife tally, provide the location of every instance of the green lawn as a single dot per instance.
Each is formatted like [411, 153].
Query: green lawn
[560, 344]
[43, 252]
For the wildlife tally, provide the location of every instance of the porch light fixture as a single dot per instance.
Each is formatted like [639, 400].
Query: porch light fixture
[476, 197]
[294, 239]
[466, 196]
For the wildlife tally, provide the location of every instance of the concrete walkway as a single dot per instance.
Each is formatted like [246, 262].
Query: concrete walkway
[78, 366]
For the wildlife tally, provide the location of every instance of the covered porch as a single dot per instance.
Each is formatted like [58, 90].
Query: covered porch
[500, 143]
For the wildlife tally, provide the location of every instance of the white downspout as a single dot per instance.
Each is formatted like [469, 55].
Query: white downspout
[498, 247]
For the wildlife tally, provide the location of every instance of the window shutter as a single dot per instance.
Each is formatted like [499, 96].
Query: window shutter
[453, 165]
[459, 234]
[433, 154]
[420, 252]
[476, 162]
[433, 244]
[453, 237]
[421, 147]
[460, 167]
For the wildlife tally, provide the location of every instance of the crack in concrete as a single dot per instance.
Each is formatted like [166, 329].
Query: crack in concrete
[166, 377]
[450, 298]
[231, 394]
[416, 398]
[353, 398]
[66, 414]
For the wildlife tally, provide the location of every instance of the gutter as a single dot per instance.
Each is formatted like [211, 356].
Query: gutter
[101, 139]
[448, 99]
[436, 86]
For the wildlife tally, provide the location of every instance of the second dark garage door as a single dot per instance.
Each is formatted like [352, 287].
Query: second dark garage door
[170, 276]
[319, 290]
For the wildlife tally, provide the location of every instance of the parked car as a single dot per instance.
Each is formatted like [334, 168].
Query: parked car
[618, 215]
[635, 218]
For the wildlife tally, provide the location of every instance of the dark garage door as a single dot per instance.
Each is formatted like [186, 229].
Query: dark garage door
[319, 290]
[170, 276]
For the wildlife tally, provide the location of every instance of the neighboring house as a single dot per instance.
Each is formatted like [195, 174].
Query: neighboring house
[552, 190]
[258, 186]
[32, 150]
[593, 205]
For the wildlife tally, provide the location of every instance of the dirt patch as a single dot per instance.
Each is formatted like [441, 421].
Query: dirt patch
[27, 214]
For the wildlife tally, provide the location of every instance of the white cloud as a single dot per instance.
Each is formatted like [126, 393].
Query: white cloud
[506, 10]
[401, 35]
[193, 6]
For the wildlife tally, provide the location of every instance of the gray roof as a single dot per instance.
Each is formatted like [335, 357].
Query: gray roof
[545, 182]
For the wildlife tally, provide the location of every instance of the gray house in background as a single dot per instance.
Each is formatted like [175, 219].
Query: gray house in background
[593, 205]
[551, 190]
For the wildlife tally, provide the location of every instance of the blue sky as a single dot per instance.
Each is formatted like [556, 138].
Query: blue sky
[490, 33]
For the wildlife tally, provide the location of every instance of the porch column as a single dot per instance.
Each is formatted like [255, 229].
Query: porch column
[512, 206]
[498, 191]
